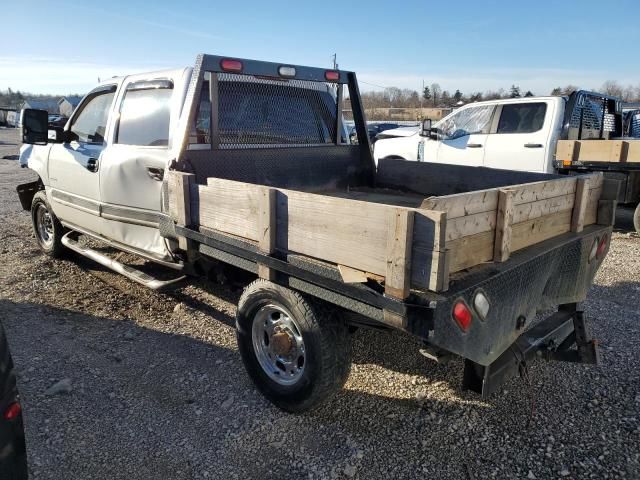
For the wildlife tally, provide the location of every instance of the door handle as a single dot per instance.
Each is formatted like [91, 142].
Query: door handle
[156, 173]
[92, 164]
[533, 145]
[474, 145]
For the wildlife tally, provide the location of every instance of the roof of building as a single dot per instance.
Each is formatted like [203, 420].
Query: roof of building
[49, 105]
[74, 100]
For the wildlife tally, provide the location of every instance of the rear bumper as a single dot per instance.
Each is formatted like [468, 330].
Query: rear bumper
[552, 339]
[540, 278]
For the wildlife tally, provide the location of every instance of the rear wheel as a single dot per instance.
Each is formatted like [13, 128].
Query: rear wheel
[636, 219]
[46, 226]
[298, 353]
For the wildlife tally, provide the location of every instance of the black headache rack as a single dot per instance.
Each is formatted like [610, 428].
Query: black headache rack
[591, 115]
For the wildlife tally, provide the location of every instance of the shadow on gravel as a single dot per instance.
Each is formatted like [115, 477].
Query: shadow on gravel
[622, 293]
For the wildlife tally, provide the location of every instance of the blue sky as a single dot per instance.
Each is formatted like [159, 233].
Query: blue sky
[63, 46]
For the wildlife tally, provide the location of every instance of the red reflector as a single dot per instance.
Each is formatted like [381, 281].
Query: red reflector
[462, 315]
[12, 411]
[332, 75]
[230, 65]
[602, 246]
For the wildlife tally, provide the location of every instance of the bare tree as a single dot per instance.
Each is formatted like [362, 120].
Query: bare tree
[611, 87]
[435, 92]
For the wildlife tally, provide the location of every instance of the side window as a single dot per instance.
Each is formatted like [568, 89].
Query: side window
[90, 125]
[522, 117]
[145, 113]
[467, 122]
[201, 132]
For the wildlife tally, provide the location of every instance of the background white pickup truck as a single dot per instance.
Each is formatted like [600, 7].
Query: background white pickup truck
[516, 134]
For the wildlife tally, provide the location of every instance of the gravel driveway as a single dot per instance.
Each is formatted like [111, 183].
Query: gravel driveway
[153, 386]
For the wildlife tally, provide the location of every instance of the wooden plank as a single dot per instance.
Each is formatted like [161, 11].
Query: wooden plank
[633, 151]
[399, 237]
[532, 192]
[591, 212]
[228, 206]
[529, 233]
[266, 228]
[504, 219]
[462, 204]
[351, 275]
[470, 225]
[606, 212]
[580, 205]
[610, 189]
[179, 184]
[439, 277]
[471, 250]
[565, 150]
[531, 210]
[179, 189]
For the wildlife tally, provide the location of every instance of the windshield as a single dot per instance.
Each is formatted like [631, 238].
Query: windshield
[466, 122]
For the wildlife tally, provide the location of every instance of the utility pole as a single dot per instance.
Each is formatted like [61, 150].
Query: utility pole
[335, 61]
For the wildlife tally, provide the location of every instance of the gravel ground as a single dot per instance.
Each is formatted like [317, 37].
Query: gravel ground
[152, 386]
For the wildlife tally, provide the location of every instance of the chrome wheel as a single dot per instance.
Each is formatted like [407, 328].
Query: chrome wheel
[44, 225]
[278, 344]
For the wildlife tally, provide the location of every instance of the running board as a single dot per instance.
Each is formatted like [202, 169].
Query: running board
[129, 272]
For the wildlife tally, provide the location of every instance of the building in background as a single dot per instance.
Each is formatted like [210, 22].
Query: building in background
[6, 116]
[50, 105]
[66, 105]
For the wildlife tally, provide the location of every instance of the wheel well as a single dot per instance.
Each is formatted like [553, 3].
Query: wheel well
[394, 157]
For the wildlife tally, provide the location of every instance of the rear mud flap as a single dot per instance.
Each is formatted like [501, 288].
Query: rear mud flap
[26, 191]
[551, 339]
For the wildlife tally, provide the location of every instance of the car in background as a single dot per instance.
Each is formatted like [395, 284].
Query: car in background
[373, 130]
[56, 120]
[13, 454]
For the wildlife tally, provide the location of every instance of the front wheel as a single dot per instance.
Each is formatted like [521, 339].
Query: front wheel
[636, 219]
[46, 226]
[297, 353]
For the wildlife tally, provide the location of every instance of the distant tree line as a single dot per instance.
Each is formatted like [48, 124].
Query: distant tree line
[433, 96]
[15, 98]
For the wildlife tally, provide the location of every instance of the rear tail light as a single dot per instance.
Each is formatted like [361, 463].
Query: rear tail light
[286, 71]
[462, 315]
[12, 411]
[594, 249]
[602, 247]
[332, 75]
[230, 65]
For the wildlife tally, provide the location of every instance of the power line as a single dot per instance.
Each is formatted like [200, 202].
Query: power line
[373, 84]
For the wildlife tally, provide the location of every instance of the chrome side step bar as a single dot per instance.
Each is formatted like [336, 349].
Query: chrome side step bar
[131, 273]
[178, 265]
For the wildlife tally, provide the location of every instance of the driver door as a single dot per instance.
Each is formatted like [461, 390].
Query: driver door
[464, 136]
[74, 181]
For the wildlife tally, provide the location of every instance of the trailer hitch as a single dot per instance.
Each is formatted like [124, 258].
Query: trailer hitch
[551, 339]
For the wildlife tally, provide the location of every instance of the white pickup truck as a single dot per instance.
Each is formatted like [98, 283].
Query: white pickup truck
[515, 134]
[244, 165]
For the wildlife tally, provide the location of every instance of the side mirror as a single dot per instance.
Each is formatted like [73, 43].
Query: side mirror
[425, 127]
[56, 135]
[35, 126]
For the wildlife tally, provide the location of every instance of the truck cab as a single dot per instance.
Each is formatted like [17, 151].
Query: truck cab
[515, 134]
